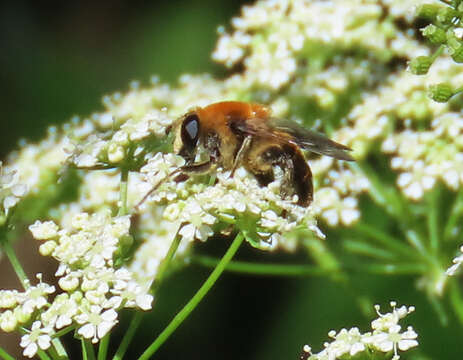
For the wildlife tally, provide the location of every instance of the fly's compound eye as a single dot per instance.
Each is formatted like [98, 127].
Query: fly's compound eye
[190, 131]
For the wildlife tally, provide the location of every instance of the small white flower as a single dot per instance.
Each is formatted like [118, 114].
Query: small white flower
[345, 342]
[132, 295]
[386, 321]
[36, 297]
[96, 322]
[393, 339]
[38, 337]
[61, 311]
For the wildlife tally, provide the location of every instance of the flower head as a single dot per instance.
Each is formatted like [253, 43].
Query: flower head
[385, 336]
[96, 322]
[38, 337]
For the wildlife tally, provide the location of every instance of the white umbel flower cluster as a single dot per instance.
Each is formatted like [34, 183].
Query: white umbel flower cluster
[386, 337]
[238, 201]
[425, 157]
[288, 29]
[92, 289]
[128, 142]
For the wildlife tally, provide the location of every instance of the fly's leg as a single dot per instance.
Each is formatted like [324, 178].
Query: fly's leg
[181, 174]
[302, 178]
[297, 177]
[245, 145]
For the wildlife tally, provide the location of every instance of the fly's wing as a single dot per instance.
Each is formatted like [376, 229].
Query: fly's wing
[311, 140]
[282, 130]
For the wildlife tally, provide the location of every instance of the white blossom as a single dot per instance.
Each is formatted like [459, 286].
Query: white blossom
[96, 322]
[38, 337]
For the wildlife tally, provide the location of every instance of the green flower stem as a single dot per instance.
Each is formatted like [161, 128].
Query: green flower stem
[43, 355]
[458, 90]
[384, 239]
[123, 192]
[308, 270]
[319, 252]
[391, 269]
[59, 348]
[438, 307]
[123, 210]
[103, 347]
[166, 261]
[88, 353]
[136, 320]
[438, 53]
[456, 300]
[4, 355]
[455, 213]
[195, 300]
[64, 331]
[129, 334]
[366, 249]
[432, 220]
[417, 242]
[262, 269]
[18, 269]
[386, 196]
[392, 201]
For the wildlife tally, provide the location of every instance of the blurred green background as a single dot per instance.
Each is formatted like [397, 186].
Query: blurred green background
[58, 59]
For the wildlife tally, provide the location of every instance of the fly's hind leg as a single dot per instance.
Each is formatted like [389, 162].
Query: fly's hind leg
[297, 177]
[179, 175]
[302, 178]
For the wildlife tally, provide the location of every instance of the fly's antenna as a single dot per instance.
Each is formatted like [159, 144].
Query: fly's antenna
[155, 187]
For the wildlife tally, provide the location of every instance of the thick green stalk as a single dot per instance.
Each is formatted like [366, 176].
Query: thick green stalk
[59, 348]
[136, 320]
[43, 355]
[166, 261]
[129, 334]
[103, 347]
[88, 353]
[123, 192]
[4, 355]
[195, 300]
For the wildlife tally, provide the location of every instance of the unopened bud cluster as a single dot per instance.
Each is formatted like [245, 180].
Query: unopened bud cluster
[446, 30]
